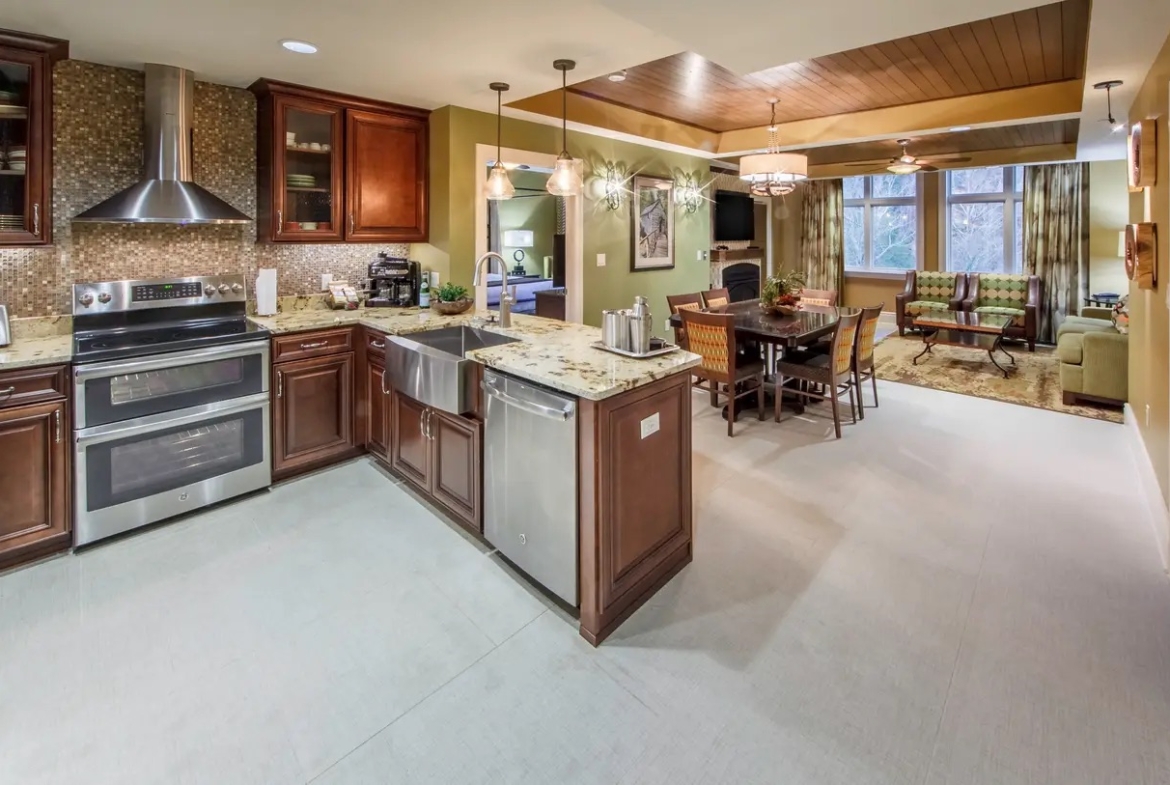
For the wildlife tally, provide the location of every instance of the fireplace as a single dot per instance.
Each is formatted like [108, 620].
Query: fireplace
[742, 281]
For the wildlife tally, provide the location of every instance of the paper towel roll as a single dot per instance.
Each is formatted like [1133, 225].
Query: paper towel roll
[266, 292]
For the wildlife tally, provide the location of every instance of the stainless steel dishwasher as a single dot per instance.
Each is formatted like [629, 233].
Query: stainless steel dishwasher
[530, 480]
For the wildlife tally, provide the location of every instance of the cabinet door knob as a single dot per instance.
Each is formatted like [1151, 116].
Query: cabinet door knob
[279, 384]
[36, 218]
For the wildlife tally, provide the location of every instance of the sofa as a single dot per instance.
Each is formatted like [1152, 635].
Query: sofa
[928, 290]
[1007, 295]
[1094, 359]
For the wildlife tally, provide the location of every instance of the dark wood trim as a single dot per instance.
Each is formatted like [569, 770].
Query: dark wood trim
[1073, 398]
[265, 87]
[53, 48]
[43, 549]
[34, 385]
[614, 582]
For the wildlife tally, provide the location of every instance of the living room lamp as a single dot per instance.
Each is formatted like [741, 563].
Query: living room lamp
[565, 180]
[499, 185]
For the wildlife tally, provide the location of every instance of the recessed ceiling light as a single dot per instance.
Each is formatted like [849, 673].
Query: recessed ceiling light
[961, 128]
[620, 76]
[300, 47]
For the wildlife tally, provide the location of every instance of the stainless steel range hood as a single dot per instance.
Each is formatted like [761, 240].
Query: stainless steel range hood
[167, 194]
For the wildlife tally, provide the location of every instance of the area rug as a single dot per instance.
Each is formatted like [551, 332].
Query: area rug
[967, 370]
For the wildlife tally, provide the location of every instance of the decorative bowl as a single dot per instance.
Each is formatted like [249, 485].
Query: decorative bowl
[778, 310]
[453, 307]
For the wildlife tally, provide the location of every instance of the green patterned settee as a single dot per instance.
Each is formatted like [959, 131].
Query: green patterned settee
[1008, 295]
[928, 290]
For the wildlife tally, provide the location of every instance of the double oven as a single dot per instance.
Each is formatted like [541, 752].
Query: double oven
[165, 433]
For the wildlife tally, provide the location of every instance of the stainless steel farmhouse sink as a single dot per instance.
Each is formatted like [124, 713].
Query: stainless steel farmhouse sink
[430, 367]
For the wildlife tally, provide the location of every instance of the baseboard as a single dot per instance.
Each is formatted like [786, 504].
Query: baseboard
[888, 317]
[1159, 514]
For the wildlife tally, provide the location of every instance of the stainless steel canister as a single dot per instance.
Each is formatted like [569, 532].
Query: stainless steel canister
[615, 329]
[640, 329]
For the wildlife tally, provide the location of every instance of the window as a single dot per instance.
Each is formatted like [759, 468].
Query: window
[881, 223]
[985, 220]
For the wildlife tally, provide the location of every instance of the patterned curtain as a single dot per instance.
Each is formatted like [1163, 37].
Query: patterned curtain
[1056, 239]
[822, 242]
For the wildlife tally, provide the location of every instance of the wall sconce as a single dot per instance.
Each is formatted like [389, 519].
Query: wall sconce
[608, 184]
[688, 195]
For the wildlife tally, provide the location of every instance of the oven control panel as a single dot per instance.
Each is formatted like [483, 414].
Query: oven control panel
[119, 296]
[165, 291]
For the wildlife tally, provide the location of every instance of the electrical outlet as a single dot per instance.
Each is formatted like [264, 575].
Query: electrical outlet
[326, 279]
[1147, 415]
[601, 260]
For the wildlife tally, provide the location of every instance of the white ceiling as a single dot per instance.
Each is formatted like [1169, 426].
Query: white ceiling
[443, 52]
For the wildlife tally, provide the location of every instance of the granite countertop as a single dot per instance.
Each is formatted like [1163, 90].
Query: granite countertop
[38, 341]
[550, 352]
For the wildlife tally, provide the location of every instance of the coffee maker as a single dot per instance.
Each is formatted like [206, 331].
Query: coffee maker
[394, 282]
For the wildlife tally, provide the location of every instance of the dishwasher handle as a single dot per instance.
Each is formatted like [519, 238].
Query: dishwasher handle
[531, 407]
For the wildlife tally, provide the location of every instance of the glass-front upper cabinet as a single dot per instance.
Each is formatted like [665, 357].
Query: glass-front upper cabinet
[26, 141]
[309, 172]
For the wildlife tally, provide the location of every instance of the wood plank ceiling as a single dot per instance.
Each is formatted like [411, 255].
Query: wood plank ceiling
[979, 139]
[1030, 47]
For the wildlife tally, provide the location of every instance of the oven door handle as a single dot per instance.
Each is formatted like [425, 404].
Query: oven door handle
[168, 420]
[172, 360]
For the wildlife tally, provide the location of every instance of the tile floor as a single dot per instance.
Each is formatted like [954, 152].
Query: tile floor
[960, 591]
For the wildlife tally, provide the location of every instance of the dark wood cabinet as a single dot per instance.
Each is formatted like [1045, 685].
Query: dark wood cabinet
[26, 136]
[337, 168]
[35, 481]
[377, 400]
[410, 449]
[455, 465]
[312, 413]
[441, 455]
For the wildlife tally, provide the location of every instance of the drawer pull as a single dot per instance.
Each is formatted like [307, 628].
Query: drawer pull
[378, 344]
[314, 345]
[385, 391]
[279, 384]
[57, 418]
[8, 391]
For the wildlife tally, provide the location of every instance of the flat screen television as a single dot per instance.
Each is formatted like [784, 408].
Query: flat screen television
[735, 217]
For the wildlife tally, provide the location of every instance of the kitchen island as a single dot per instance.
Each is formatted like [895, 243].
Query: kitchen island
[633, 447]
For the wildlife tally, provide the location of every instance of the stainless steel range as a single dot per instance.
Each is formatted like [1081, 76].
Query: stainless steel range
[171, 398]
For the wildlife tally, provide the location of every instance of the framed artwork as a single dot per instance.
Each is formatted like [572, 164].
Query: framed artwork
[653, 224]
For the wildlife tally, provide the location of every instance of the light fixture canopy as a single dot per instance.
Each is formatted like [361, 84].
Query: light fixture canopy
[300, 47]
[773, 173]
[618, 76]
[565, 179]
[958, 129]
[499, 186]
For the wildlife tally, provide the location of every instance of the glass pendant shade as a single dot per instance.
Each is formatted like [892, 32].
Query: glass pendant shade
[565, 180]
[499, 185]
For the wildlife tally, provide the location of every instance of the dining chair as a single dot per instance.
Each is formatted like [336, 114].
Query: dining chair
[818, 297]
[712, 337]
[683, 302]
[834, 371]
[713, 298]
[863, 364]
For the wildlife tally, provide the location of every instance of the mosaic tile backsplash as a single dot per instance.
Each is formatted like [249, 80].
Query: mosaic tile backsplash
[97, 151]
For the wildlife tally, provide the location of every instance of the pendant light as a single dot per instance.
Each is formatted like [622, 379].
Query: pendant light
[773, 173]
[499, 185]
[565, 180]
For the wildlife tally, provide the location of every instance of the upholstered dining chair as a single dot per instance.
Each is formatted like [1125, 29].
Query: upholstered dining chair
[834, 371]
[712, 337]
[683, 302]
[713, 298]
[818, 297]
[863, 365]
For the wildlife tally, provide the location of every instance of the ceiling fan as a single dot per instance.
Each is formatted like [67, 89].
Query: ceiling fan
[908, 164]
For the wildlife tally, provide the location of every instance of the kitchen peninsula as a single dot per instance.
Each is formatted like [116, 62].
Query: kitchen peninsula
[633, 450]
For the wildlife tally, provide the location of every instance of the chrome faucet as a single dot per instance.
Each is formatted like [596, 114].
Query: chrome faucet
[506, 299]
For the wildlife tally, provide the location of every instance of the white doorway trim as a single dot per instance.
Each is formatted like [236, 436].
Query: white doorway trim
[574, 226]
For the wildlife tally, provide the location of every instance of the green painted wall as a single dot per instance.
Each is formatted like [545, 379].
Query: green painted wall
[605, 231]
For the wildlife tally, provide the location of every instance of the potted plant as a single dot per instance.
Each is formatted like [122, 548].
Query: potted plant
[782, 292]
[453, 299]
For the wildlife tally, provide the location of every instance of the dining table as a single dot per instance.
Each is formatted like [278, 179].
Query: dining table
[775, 331]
